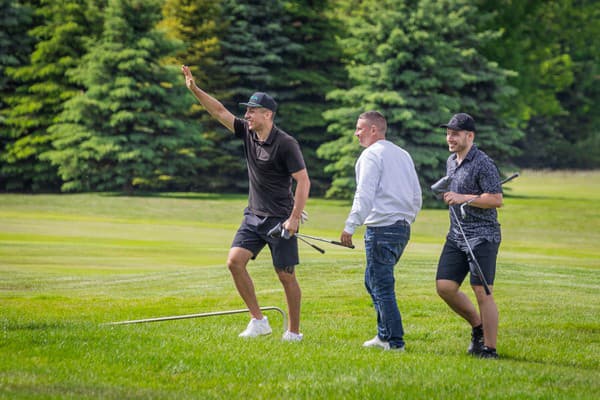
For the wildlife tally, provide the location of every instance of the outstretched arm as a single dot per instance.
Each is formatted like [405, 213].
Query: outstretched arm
[212, 105]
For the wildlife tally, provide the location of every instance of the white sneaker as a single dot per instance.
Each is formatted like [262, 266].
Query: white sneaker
[257, 327]
[376, 342]
[291, 337]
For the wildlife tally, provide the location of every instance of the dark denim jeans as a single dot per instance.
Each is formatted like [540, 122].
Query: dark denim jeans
[384, 246]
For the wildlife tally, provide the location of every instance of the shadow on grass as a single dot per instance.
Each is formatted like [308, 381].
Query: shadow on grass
[525, 197]
[180, 195]
[34, 326]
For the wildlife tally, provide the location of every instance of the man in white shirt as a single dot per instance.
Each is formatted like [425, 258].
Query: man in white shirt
[387, 200]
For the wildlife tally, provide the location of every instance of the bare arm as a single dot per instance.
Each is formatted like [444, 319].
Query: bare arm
[485, 200]
[212, 105]
[300, 197]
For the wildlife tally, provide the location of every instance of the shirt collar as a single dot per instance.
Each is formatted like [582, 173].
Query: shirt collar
[470, 155]
[270, 138]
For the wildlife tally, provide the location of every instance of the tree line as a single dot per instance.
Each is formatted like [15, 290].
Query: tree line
[92, 97]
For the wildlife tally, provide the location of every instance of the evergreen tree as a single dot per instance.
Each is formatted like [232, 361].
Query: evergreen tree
[285, 48]
[124, 132]
[44, 87]
[16, 46]
[417, 62]
[555, 48]
[311, 69]
[199, 25]
[581, 39]
[288, 49]
[252, 45]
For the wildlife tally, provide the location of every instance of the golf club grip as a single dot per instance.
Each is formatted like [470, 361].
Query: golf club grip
[320, 250]
[314, 246]
[510, 178]
[341, 244]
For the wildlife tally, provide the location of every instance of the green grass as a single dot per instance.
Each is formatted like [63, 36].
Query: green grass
[69, 263]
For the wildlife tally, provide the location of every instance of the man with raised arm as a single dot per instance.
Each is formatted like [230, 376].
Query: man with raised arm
[273, 158]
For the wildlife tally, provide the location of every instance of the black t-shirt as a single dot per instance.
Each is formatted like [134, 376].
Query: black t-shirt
[270, 167]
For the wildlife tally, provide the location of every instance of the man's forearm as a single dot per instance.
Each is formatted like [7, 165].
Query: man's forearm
[301, 196]
[486, 200]
[213, 106]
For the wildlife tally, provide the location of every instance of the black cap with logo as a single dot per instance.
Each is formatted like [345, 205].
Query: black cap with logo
[260, 99]
[460, 122]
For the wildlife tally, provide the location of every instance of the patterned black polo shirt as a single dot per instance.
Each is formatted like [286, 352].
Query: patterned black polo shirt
[476, 174]
[270, 167]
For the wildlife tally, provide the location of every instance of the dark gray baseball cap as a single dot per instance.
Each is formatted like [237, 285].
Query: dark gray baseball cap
[460, 122]
[260, 99]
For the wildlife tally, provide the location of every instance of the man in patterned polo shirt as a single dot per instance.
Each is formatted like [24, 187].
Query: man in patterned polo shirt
[473, 177]
[273, 158]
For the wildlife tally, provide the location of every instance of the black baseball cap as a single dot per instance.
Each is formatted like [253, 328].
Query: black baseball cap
[460, 122]
[260, 99]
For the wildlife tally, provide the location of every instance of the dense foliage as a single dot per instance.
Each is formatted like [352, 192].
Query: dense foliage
[92, 97]
[418, 71]
[124, 131]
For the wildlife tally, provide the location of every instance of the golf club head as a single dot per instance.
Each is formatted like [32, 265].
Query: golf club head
[441, 186]
[278, 232]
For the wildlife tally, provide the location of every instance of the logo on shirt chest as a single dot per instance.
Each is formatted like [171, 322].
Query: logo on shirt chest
[262, 153]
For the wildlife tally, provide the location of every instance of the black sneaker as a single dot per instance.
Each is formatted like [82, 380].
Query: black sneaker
[488, 352]
[476, 345]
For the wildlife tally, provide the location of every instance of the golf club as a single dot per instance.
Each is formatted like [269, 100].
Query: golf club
[439, 188]
[325, 240]
[473, 263]
[278, 231]
[317, 248]
[208, 314]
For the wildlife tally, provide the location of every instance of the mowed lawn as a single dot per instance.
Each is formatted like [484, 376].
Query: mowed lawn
[69, 264]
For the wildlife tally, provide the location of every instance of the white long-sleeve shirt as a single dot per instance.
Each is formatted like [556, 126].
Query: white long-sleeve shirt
[387, 187]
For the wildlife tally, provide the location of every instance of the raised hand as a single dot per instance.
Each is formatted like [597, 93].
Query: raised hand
[189, 78]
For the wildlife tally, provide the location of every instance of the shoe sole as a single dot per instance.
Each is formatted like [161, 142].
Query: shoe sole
[253, 336]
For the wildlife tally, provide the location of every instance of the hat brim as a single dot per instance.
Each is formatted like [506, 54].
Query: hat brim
[455, 128]
[251, 104]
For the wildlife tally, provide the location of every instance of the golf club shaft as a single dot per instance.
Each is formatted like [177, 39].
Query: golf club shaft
[317, 248]
[324, 240]
[478, 271]
[510, 178]
[209, 314]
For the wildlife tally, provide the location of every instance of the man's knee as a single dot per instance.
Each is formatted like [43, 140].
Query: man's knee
[286, 275]
[446, 288]
[237, 259]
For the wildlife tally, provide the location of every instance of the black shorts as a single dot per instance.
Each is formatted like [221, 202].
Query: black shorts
[454, 262]
[252, 236]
